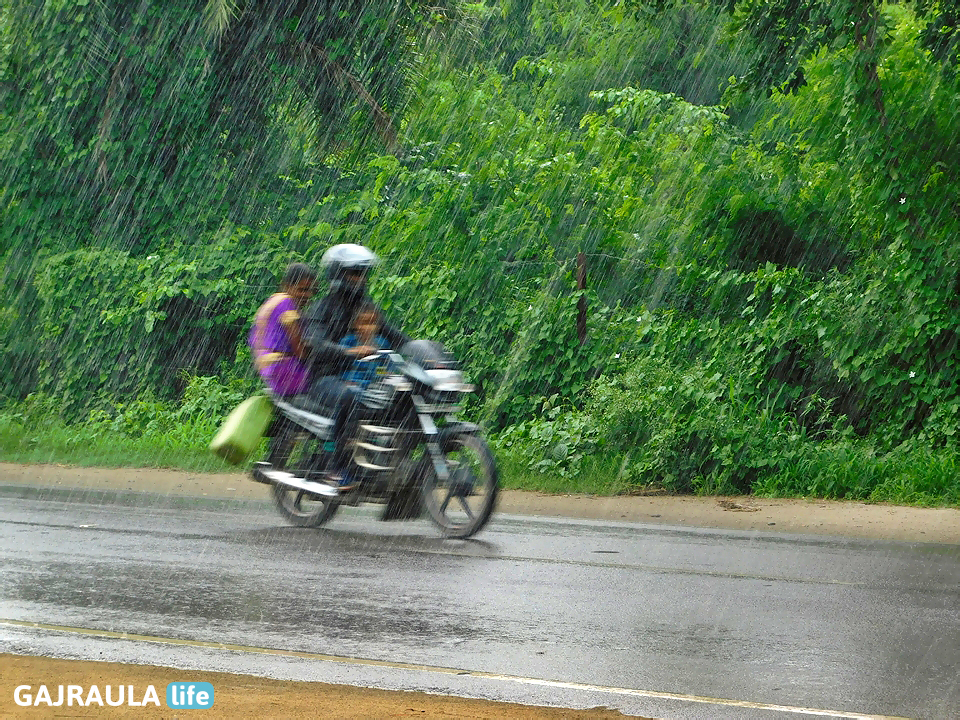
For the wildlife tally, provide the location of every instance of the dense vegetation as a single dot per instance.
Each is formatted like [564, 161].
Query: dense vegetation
[764, 193]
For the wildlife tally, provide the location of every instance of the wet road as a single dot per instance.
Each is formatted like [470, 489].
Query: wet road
[652, 620]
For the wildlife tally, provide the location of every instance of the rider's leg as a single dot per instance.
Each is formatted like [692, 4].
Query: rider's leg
[337, 399]
[346, 428]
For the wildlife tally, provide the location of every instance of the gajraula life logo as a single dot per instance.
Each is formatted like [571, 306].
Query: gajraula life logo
[180, 695]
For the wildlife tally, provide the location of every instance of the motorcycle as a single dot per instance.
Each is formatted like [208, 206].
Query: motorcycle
[407, 447]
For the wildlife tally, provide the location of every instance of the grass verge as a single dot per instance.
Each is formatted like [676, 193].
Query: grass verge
[910, 475]
[83, 446]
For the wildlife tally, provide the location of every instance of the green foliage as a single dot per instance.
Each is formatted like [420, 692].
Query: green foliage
[888, 325]
[113, 325]
[692, 426]
[565, 50]
[850, 468]
[134, 137]
[145, 432]
[745, 395]
[152, 123]
[555, 443]
[772, 277]
[942, 32]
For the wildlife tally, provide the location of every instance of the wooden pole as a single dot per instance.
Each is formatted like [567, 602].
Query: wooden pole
[582, 301]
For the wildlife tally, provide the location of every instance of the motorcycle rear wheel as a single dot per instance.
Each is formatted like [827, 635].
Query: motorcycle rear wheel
[462, 505]
[300, 507]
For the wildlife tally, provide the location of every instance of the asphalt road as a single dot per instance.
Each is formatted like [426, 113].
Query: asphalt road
[652, 620]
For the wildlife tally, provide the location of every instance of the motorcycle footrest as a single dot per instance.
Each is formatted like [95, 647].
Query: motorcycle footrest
[367, 465]
[289, 480]
[257, 472]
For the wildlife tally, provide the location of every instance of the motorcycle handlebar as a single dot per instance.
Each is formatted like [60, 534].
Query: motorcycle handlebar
[378, 355]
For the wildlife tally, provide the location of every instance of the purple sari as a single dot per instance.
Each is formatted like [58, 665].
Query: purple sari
[272, 351]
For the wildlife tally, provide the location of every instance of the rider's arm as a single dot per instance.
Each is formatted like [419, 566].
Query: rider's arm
[290, 321]
[324, 352]
[394, 336]
[327, 352]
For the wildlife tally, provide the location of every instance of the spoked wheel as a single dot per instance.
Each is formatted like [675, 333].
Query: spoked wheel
[463, 504]
[299, 507]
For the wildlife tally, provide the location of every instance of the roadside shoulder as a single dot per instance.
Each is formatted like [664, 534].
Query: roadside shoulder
[789, 515]
[821, 517]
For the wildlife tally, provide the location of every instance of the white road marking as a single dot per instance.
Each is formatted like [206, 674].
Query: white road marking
[446, 671]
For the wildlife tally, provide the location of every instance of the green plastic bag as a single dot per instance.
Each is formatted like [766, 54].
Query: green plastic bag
[241, 431]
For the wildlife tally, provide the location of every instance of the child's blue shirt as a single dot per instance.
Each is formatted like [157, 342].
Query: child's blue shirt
[364, 373]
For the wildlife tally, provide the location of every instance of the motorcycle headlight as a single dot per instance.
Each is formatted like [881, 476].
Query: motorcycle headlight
[446, 385]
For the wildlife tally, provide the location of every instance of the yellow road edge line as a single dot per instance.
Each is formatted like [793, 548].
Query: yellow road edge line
[653, 694]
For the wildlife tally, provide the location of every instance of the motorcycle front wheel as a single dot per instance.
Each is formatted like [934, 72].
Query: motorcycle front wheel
[463, 504]
[300, 456]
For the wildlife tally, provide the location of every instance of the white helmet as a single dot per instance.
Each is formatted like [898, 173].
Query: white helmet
[347, 256]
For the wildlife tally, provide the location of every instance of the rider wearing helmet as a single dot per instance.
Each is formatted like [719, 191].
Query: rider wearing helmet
[328, 320]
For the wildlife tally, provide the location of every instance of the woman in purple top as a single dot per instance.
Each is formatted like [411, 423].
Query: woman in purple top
[275, 338]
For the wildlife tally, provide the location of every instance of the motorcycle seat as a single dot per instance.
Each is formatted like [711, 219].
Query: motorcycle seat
[311, 405]
[304, 402]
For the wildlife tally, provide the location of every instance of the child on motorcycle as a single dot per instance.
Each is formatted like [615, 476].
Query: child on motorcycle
[366, 328]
